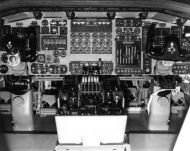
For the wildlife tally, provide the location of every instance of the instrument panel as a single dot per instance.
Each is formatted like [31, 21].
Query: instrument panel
[69, 46]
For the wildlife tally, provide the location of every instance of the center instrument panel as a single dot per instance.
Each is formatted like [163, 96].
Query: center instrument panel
[91, 45]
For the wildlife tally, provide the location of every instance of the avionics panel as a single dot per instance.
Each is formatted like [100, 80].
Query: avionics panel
[91, 36]
[128, 45]
[66, 47]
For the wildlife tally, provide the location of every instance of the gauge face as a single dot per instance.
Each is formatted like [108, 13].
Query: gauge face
[44, 22]
[80, 43]
[94, 43]
[41, 58]
[87, 43]
[87, 35]
[101, 35]
[73, 50]
[73, 35]
[137, 30]
[49, 58]
[102, 43]
[95, 50]
[108, 35]
[80, 35]
[56, 53]
[118, 30]
[73, 43]
[63, 53]
[95, 35]
[108, 43]
[4, 69]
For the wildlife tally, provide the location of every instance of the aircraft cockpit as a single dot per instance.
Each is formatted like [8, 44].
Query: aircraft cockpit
[95, 64]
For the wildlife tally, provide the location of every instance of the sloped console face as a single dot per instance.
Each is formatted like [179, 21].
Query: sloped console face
[107, 43]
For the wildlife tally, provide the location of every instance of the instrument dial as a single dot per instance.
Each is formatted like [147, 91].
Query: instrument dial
[56, 53]
[108, 43]
[49, 58]
[41, 58]
[102, 43]
[95, 50]
[80, 35]
[108, 35]
[118, 30]
[73, 43]
[80, 43]
[4, 69]
[94, 43]
[73, 36]
[101, 35]
[137, 30]
[63, 53]
[45, 22]
[87, 43]
[87, 35]
[95, 35]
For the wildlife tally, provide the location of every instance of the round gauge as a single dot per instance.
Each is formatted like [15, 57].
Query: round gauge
[108, 50]
[63, 53]
[80, 43]
[87, 50]
[80, 50]
[4, 58]
[101, 35]
[48, 58]
[86, 43]
[137, 30]
[73, 43]
[108, 35]
[73, 50]
[41, 58]
[108, 43]
[94, 43]
[102, 43]
[4, 69]
[56, 53]
[118, 30]
[95, 35]
[163, 101]
[102, 50]
[80, 35]
[18, 100]
[95, 50]
[87, 35]
[73, 36]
